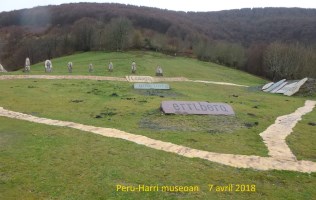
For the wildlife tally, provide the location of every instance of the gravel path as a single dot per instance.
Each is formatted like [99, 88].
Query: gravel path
[274, 136]
[75, 77]
[108, 78]
[281, 156]
[219, 83]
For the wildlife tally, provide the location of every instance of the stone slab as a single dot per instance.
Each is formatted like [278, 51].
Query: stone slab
[266, 86]
[140, 79]
[279, 87]
[154, 86]
[286, 88]
[295, 88]
[275, 85]
[196, 107]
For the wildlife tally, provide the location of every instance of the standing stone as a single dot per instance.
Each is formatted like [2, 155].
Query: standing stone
[48, 66]
[159, 71]
[110, 67]
[69, 65]
[27, 65]
[133, 67]
[90, 67]
[2, 69]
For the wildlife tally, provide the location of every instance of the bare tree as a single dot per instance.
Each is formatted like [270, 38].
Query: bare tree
[120, 29]
[272, 60]
[83, 31]
[288, 61]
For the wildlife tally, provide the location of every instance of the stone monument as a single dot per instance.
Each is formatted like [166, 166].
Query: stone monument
[48, 66]
[2, 69]
[133, 67]
[69, 65]
[27, 65]
[90, 67]
[151, 86]
[196, 107]
[110, 67]
[159, 71]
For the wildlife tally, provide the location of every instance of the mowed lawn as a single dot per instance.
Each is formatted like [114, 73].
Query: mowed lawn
[46, 162]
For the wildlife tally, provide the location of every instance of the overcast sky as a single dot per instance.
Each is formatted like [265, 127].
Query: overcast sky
[178, 5]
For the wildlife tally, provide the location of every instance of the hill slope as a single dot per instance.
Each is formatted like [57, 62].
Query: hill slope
[146, 65]
[236, 38]
[50, 162]
[245, 25]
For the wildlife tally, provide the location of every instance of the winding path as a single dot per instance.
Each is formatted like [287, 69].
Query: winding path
[281, 157]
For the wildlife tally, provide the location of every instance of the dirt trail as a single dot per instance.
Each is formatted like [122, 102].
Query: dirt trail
[75, 77]
[274, 136]
[281, 158]
[108, 78]
[219, 83]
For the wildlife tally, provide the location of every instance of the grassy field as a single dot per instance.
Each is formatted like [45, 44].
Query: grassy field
[146, 65]
[44, 162]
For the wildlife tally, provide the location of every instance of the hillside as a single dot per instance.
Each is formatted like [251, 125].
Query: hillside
[146, 65]
[235, 38]
[245, 26]
[42, 159]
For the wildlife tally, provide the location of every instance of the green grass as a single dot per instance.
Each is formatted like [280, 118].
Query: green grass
[146, 65]
[303, 138]
[81, 101]
[46, 162]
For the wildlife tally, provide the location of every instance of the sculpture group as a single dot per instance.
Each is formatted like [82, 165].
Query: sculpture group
[48, 67]
[286, 87]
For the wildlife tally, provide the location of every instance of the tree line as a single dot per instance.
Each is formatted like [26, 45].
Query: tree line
[272, 42]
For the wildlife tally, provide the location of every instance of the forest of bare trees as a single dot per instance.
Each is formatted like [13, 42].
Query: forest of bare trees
[289, 61]
[271, 42]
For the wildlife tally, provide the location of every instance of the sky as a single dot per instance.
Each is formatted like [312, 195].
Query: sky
[177, 5]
